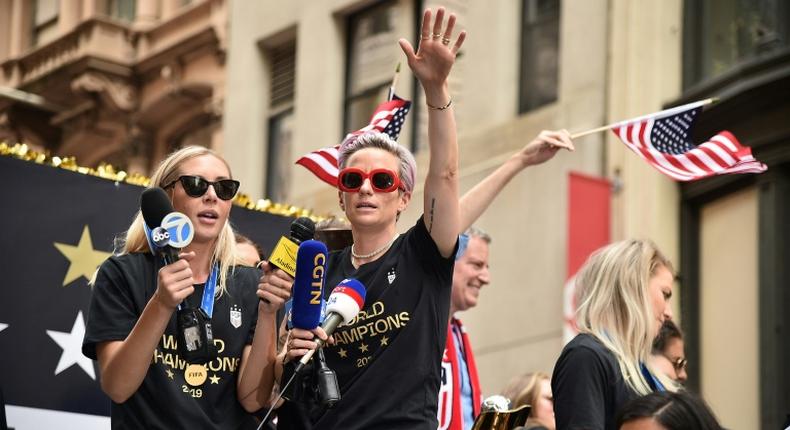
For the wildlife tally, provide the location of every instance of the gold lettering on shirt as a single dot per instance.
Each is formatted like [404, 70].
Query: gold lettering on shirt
[369, 323]
[195, 375]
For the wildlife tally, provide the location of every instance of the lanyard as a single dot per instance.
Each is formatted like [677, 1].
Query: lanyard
[207, 302]
[654, 383]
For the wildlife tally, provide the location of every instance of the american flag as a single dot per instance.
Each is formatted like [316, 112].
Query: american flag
[663, 139]
[388, 118]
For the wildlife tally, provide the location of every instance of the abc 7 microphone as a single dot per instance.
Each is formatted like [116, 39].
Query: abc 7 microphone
[195, 339]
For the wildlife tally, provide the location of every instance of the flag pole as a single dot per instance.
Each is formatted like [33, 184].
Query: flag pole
[391, 93]
[666, 112]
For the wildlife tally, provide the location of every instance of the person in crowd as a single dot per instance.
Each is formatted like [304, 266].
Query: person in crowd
[667, 411]
[249, 252]
[623, 294]
[388, 358]
[668, 354]
[460, 394]
[132, 330]
[533, 389]
[334, 232]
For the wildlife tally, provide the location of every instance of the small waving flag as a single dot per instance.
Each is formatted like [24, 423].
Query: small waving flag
[663, 139]
[388, 118]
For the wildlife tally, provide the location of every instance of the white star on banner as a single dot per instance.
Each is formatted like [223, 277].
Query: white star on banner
[71, 343]
[3, 326]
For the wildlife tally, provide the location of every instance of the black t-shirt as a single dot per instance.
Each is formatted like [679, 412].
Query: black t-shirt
[174, 394]
[588, 386]
[388, 359]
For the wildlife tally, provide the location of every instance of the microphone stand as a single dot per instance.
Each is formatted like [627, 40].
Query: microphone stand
[326, 382]
[327, 386]
[279, 396]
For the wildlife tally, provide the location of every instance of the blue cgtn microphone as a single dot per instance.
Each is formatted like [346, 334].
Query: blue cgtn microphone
[308, 289]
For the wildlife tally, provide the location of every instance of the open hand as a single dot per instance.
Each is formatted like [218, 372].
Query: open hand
[434, 57]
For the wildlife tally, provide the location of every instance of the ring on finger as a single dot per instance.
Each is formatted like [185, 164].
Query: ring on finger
[436, 36]
[445, 41]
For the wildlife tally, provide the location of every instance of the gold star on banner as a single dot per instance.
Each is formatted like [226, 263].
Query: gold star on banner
[83, 259]
[363, 347]
[342, 353]
[214, 379]
[384, 340]
[169, 374]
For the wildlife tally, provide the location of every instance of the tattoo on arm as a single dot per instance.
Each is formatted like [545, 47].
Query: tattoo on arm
[430, 224]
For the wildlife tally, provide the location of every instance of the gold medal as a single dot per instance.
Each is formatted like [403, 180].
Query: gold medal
[195, 374]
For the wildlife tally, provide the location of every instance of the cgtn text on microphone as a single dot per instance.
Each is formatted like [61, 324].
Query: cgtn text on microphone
[308, 288]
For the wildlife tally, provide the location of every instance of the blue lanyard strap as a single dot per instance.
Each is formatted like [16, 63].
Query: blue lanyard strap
[207, 303]
[654, 383]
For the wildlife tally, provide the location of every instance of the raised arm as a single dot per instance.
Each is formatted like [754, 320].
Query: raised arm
[539, 150]
[432, 64]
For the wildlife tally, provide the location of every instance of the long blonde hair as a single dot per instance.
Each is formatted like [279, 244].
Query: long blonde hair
[524, 389]
[614, 305]
[166, 172]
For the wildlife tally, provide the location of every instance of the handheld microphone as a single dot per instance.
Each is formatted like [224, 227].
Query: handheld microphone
[308, 288]
[343, 305]
[283, 255]
[168, 230]
[154, 206]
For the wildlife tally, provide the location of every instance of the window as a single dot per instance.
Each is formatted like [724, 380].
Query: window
[372, 55]
[122, 10]
[721, 34]
[45, 21]
[278, 157]
[540, 45]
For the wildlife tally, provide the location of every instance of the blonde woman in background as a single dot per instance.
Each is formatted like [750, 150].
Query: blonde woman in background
[250, 253]
[623, 294]
[131, 328]
[533, 389]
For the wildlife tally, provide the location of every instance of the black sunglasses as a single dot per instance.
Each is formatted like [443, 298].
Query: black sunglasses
[195, 186]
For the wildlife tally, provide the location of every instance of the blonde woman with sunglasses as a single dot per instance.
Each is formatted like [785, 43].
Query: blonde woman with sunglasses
[388, 359]
[131, 329]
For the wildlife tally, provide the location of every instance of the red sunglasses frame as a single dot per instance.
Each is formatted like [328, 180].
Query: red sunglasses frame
[396, 184]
